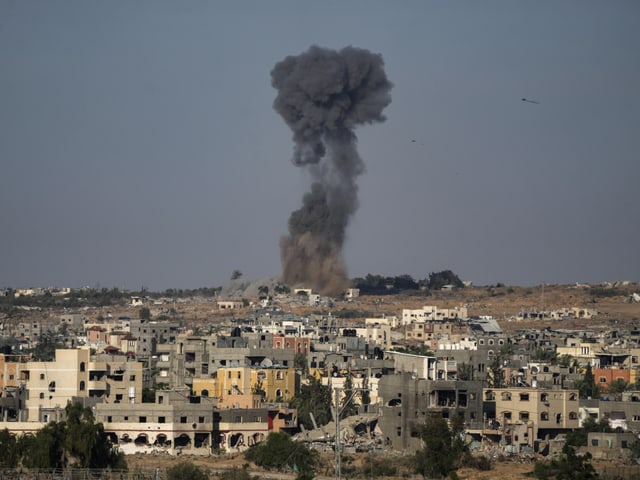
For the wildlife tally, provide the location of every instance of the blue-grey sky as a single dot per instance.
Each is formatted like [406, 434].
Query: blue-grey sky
[139, 145]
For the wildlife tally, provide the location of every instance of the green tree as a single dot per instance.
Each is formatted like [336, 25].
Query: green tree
[437, 280]
[9, 449]
[144, 313]
[300, 363]
[281, 452]
[45, 449]
[85, 443]
[186, 470]
[313, 398]
[569, 466]
[435, 459]
[45, 350]
[587, 387]
[236, 274]
[579, 436]
[617, 387]
[496, 377]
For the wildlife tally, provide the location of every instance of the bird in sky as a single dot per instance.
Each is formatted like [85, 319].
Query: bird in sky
[530, 101]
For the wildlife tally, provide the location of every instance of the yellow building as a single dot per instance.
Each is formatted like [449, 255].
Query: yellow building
[278, 383]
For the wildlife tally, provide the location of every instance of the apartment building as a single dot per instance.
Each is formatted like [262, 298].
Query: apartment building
[74, 374]
[431, 312]
[277, 382]
[408, 400]
[525, 415]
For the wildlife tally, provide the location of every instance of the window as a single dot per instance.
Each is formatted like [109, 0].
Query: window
[506, 396]
[524, 416]
[602, 379]
[42, 376]
[524, 397]
[573, 416]
[544, 416]
[109, 419]
[594, 442]
[623, 444]
[544, 397]
[142, 419]
[200, 419]
[82, 385]
[82, 366]
[132, 378]
[507, 415]
[52, 386]
[573, 397]
[42, 395]
[183, 419]
[161, 419]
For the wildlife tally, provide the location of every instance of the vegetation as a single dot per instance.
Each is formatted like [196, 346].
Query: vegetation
[444, 448]
[185, 470]
[380, 285]
[569, 466]
[78, 442]
[313, 399]
[587, 387]
[496, 377]
[579, 436]
[280, 452]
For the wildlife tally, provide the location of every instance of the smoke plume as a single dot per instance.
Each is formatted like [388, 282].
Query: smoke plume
[323, 95]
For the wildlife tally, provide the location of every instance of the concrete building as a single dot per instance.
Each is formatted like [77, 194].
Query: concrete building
[525, 415]
[176, 423]
[277, 382]
[74, 374]
[150, 334]
[407, 401]
[431, 312]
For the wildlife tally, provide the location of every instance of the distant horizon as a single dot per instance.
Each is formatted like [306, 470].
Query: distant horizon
[256, 280]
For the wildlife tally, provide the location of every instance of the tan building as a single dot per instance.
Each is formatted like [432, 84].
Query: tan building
[524, 413]
[73, 374]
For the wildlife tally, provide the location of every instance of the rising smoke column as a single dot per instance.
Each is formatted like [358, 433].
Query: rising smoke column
[323, 95]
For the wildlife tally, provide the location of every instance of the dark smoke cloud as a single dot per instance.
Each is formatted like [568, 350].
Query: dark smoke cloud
[323, 95]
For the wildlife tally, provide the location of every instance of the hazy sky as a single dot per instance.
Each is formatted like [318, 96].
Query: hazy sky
[139, 145]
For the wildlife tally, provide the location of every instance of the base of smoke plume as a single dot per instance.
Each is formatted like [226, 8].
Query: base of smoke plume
[310, 262]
